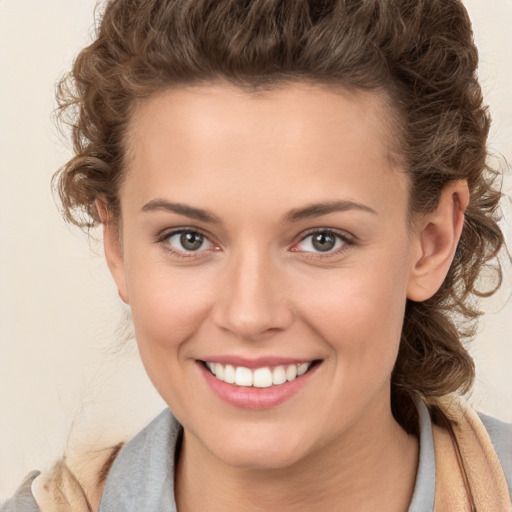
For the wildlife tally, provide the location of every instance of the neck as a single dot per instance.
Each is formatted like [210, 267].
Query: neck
[371, 467]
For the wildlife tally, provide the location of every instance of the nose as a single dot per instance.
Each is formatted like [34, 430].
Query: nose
[252, 303]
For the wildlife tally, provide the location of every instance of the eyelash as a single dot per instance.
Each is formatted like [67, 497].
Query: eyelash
[346, 243]
[345, 240]
[184, 254]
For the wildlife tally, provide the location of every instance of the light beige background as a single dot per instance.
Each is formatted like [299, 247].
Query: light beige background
[62, 371]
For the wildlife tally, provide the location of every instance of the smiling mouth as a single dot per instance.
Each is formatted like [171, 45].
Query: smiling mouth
[263, 377]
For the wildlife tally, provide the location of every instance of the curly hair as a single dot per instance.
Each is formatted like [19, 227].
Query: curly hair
[420, 53]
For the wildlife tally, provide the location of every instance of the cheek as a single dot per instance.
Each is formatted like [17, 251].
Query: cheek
[167, 306]
[359, 312]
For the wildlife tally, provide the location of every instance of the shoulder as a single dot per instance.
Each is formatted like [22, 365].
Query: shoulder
[500, 434]
[76, 482]
[71, 485]
[23, 500]
[483, 444]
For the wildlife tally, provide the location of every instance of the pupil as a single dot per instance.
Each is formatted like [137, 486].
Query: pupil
[324, 242]
[191, 241]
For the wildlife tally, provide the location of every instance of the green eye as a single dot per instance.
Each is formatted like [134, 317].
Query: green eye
[321, 241]
[188, 241]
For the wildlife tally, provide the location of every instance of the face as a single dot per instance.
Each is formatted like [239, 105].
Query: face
[265, 235]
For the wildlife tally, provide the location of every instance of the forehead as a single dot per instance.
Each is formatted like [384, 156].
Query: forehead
[293, 106]
[298, 137]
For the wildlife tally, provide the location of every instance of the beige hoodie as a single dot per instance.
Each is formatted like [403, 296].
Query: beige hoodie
[469, 477]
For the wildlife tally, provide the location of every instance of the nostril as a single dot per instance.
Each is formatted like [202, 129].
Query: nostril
[253, 323]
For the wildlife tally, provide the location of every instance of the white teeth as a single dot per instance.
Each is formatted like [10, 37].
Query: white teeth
[291, 372]
[219, 371]
[260, 377]
[302, 369]
[243, 376]
[229, 374]
[279, 375]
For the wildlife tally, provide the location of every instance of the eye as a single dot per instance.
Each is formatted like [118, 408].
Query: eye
[321, 242]
[188, 241]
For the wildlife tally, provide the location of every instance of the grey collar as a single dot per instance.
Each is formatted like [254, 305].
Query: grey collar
[425, 487]
[142, 477]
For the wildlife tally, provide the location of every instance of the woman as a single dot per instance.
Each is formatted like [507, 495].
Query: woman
[296, 206]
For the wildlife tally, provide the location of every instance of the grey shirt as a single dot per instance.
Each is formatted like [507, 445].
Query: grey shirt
[142, 476]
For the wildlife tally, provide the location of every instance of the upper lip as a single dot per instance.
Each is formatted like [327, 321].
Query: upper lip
[258, 362]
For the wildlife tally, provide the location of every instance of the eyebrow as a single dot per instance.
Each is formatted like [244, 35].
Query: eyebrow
[319, 209]
[182, 209]
[295, 215]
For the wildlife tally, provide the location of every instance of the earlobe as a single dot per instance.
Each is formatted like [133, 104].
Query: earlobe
[112, 248]
[437, 238]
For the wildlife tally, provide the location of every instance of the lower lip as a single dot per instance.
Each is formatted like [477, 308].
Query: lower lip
[256, 398]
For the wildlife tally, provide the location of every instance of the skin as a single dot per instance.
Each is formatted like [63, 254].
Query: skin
[258, 287]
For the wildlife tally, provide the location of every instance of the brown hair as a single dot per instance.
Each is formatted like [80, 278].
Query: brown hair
[419, 52]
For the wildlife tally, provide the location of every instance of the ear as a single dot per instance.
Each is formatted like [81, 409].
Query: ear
[113, 247]
[437, 236]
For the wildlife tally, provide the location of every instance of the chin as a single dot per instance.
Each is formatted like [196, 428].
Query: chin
[262, 460]
[258, 453]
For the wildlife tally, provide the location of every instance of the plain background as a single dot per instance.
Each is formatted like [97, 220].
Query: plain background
[65, 374]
